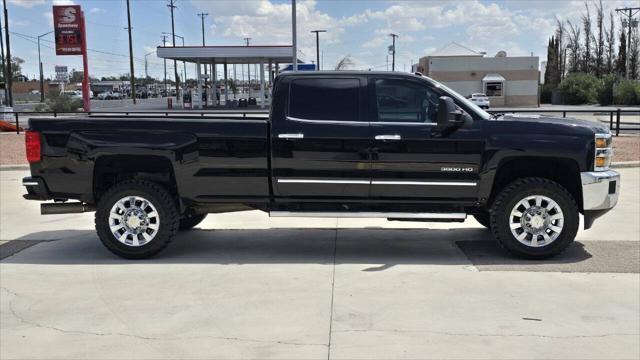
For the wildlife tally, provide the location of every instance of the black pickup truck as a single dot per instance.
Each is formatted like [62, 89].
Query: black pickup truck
[336, 144]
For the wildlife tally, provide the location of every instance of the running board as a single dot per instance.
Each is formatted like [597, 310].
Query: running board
[384, 215]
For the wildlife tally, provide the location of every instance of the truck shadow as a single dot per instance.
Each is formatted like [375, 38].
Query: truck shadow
[380, 246]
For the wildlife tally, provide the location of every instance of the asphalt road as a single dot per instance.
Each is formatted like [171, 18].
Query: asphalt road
[243, 285]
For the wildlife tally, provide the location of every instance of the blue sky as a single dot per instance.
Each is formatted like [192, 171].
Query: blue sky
[356, 28]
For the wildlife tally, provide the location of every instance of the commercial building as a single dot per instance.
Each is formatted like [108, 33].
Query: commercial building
[507, 81]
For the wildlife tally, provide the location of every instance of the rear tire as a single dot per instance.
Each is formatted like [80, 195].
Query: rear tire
[136, 219]
[534, 218]
[187, 222]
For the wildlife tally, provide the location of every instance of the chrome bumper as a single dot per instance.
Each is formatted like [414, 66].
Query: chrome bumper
[600, 189]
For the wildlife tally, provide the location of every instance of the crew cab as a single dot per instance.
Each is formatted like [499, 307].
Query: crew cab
[336, 144]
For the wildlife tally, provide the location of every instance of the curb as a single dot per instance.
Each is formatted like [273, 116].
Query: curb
[625, 164]
[14, 167]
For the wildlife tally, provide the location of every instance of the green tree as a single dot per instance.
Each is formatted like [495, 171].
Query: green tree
[621, 66]
[627, 93]
[579, 88]
[606, 88]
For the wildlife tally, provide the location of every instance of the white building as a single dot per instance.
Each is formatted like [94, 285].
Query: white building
[508, 81]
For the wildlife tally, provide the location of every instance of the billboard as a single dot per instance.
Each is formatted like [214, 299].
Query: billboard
[67, 24]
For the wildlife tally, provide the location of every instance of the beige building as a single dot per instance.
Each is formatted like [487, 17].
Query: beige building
[507, 81]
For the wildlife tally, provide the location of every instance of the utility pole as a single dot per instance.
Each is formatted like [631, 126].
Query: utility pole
[133, 75]
[393, 52]
[318, 47]
[4, 69]
[630, 22]
[294, 35]
[247, 39]
[9, 78]
[164, 43]
[202, 16]
[171, 6]
[40, 67]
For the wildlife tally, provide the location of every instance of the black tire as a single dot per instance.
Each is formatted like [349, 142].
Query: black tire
[483, 218]
[156, 195]
[514, 193]
[187, 222]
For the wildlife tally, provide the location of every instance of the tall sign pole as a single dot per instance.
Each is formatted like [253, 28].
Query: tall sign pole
[71, 39]
[86, 99]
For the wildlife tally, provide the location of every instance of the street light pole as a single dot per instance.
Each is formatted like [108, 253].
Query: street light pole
[40, 67]
[247, 39]
[318, 47]
[146, 67]
[164, 43]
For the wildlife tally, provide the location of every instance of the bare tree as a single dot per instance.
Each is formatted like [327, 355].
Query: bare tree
[344, 63]
[574, 45]
[588, 37]
[610, 39]
[599, 68]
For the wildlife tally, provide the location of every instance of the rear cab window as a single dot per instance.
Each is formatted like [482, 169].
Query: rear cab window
[325, 99]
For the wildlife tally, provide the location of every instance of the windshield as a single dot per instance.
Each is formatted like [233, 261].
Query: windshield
[483, 114]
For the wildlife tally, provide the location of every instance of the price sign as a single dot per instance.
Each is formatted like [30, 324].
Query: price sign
[68, 29]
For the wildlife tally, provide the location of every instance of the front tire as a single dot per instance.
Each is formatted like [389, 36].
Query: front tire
[136, 219]
[534, 218]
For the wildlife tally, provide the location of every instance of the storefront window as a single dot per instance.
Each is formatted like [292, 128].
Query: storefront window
[494, 89]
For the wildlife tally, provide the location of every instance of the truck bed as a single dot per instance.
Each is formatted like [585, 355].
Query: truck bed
[211, 159]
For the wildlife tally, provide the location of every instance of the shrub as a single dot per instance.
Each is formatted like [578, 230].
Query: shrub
[579, 88]
[60, 103]
[605, 90]
[627, 93]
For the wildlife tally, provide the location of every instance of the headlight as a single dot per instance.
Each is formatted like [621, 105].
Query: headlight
[604, 152]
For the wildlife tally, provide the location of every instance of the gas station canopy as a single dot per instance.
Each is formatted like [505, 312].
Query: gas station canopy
[228, 54]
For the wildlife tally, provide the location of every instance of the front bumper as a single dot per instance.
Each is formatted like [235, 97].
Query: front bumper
[600, 191]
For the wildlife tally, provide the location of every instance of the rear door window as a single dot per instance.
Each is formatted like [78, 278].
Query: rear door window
[330, 99]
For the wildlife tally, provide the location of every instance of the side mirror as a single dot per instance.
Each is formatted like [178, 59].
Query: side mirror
[448, 114]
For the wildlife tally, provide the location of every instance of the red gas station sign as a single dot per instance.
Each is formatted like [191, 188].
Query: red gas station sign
[68, 26]
[71, 39]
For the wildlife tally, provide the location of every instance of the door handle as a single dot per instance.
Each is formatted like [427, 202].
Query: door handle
[388, 137]
[290, 136]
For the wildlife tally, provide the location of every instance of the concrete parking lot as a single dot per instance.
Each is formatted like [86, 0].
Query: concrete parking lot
[243, 285]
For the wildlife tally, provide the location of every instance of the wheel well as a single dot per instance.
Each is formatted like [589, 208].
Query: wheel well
[112, 169]
[563, 171]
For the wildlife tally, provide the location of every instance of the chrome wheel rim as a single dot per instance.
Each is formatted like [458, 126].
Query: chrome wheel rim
[134, 221]
[536, 221]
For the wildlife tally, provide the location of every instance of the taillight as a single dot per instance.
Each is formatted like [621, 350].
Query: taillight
[33, 146]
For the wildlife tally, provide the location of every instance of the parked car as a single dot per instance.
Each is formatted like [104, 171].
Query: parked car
[481, 100]
[109, 95]
[337, 144]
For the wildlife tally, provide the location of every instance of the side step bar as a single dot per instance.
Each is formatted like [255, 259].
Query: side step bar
[387, 215]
